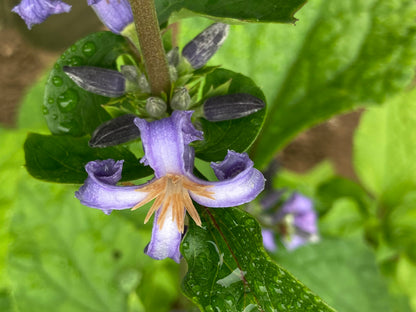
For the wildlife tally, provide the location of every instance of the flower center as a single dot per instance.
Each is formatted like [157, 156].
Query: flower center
[171, 192]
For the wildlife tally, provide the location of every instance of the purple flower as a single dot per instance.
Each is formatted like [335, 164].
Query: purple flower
[297, 221]
[115, 14]
[36, 11]
[167, 151]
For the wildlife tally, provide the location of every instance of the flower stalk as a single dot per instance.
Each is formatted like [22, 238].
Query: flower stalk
[151, 46]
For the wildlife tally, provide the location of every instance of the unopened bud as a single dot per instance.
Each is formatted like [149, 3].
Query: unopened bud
[132, 77]
[97, 80]
[156, 107]
[173, 57]
[115, 131]
[200, 49]
[144, 84]
[173, 73]
[231, 106]
[180, 99]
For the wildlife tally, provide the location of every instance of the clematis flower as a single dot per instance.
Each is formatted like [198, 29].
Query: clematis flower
[36, 11]
[296, 221]
[167, 152]
[115, 14]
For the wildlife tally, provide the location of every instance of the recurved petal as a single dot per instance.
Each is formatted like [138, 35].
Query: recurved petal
[165, 242]
[239, 182]
[100, 190]
[36, 11]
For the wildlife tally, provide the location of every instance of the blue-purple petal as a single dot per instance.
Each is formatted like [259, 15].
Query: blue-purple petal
[36, 11]
[100, 190]
[239, 182]
[165, 143]
[115, 14]
[165, 242]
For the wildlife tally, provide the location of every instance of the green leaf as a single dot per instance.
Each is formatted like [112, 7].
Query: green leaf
[228, 269]
[237, 134]
[62, 158]
[249, 11]
[68, 109]
[385, 149]
[340, 55]
[68, 257]
[344, 273]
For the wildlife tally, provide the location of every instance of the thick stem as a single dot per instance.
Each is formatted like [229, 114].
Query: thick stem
[151, 46]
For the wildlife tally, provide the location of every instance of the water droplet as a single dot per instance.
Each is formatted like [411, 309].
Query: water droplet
[54, 116]
[88, 49]
[56, 66]
[57, 81]
[51, 100]
[73, 48]
[76, 61]
[68, 100]
[45, 110]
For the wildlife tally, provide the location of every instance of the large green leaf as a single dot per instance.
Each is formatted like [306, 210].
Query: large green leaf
[62, 158]
[68, 257]
[68, 109]
[249, 11]
[237, 134]
[340, 54]
[343, 272]
[228, 269]
[385, 149]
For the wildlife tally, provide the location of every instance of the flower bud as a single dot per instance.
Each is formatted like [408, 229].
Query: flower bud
[173, 57]
[173, 73]
[115, 131]
[115, 14]
[180, 99]
[132, 77]
[156, 107]
[231, 106]
[144, 85]
[200, 49]
[97, 80]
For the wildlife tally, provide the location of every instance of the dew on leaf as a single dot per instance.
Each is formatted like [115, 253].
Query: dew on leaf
[68, 100]
[75, 61]
[45, 110]
[57, 81]
[73, 48]
[88, 49]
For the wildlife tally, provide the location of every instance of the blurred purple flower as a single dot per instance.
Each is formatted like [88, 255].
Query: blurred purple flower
[268, 239]
[167, 151]
[36, 11]
[296, 221]
[115, 14]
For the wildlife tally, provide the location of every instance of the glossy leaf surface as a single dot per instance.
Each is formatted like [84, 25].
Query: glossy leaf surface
[280, 11]
[228, 269]
[68, 109]
[237, 134]
[62, 158]
[338, 56]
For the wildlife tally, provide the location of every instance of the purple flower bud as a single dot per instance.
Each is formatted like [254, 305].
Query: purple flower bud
[36, 11]
[115, 131]
[115, 14]
[102, 81]
[200, 49]
[231, 106]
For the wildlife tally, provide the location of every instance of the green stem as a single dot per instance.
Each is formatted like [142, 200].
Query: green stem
[151, 46]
